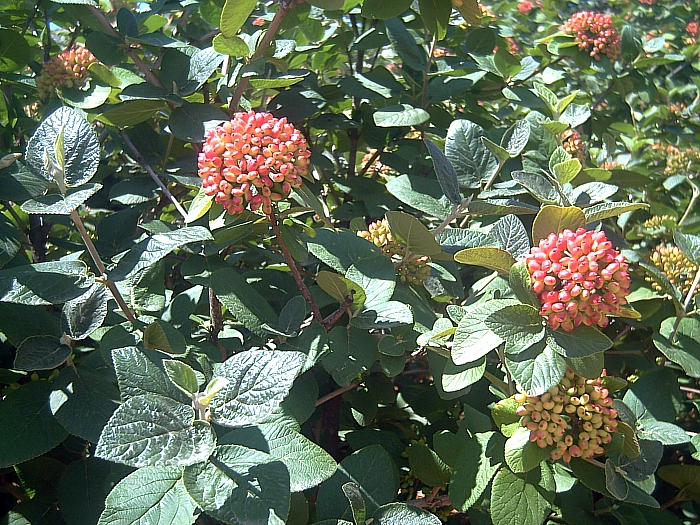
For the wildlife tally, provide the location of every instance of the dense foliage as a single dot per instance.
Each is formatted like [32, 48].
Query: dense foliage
[332, 261]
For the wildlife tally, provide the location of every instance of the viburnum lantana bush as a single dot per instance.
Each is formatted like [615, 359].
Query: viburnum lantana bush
[349, 261]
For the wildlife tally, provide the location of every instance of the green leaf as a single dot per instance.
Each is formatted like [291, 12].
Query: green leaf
[307, 463]
[566, 171]
[605, 210]
[139, 374]
[81, 148]
[131, 113]
[472, 161]
[412, 233]
[492, 258]
[41, 352]
[660, 278]
[582, 341]
[382, 10]
[357, 503]
[523, 455]
[85, 314]
[15, 52]
[457, 378]
[519, 280]
[234, 14]
[151, 430]
[164, 337]
[352, 351]
[547, 96]
[685, 350]
[27, 426]
[500, 153]
[505, 416]
[56, 204]
[402, 41]
[684, 477]
[446, 174]
[240, 485]
[576, 115]
[339, 288]
[555, 219]
[666, 433]
[259, 380]
[538, 185]
[233, 46]
[420, 193]
[80, 503]
[372, 470]
[630, 445]
[473, 339]
[149, 495]
[191, 122]
[199, 206]
[154, 248]
[182, 375]
[614, 482]
[516, 138]
[44, 283]
[525, 499]
[427, 465]
[511, 235]
[536, 370]
[520, 326]
[688, 244]
[649, 454]
[401, 115]
[341, 249]
[84, 397]
[436, 15]
[402, 514]
[377, 279]
[471, 477]
[592, 193]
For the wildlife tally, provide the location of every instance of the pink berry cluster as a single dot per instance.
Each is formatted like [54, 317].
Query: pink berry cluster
[594, 33]
[575, 417]
[572, 143]
[253, 160]
[692, 28]
[525, 6]
[69, 69]
[578, 278]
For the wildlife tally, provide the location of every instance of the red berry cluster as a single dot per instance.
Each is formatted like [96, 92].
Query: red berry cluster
[253, 160]
[69, 69]
[572, 143]
[594, 33]
[579, 278]
[525, 6]
[692, 28]
[575, 417]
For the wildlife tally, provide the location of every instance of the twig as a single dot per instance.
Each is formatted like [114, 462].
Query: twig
[369, 163]
[149, 170]
[330, 321]
[336, 393]
[217, 322]
[689, 390]
[132, 54]
[20, 223]
[696, 194]
[430, 502]
[101, 267]
[283, 9]
[293, 268]
[457, 210]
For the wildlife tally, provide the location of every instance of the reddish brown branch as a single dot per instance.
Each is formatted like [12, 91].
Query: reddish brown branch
[330, 321]
[295, 271]
[283, 9]
[337, 393]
